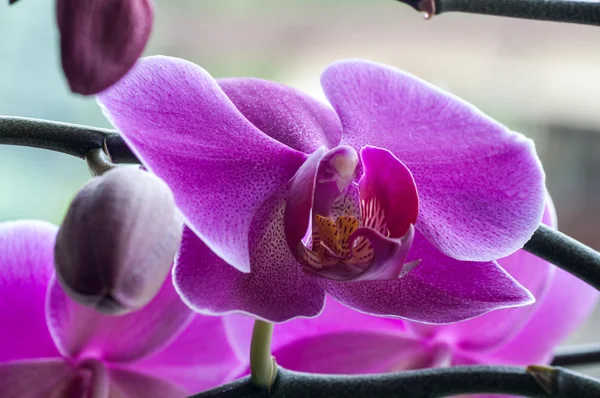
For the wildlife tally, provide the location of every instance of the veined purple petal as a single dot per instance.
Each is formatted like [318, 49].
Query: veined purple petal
[100, 40]
[440, 290]
[389, 184]
[491, 330]
[84, 332]
[125, 383]
[481, 186]
[34, 378]
[199, 358]
[26, 266]
[275, 289]
[284, 113]
[335, 318]
[184, 129]
[568, 302]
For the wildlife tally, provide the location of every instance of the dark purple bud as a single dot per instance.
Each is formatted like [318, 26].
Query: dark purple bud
[100, 40]
[10, 2]
[117, 242]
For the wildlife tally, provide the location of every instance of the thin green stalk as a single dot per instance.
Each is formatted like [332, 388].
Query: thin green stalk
[263, 368]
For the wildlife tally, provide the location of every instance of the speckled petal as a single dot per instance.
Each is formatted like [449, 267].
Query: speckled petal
[26, 266]
[481, 186]
[284, 113]
[220, 167]
[275, 289]
[439, 290]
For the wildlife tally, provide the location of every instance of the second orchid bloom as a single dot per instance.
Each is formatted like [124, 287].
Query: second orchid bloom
[396, 198]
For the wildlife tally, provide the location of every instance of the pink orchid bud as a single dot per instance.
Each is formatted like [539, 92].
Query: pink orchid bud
[118, 241]
[100, 40]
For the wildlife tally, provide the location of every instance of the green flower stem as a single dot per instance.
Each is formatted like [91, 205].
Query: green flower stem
[98, 161]
[263, 369]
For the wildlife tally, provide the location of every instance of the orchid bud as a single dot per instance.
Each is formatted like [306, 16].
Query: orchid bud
[117, 241]
[100, 40]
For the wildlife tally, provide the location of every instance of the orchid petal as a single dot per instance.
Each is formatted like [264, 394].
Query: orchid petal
[34, 379]
[275, 290]
[184, 129]
[335, 318]
[481, 186]
[355, 352]
[440, 290]
[498, 327]
[284, 113]
[80, 330]
[568, 302]
[125, 383]
[26, 266]
[199, 358]
[100, 40]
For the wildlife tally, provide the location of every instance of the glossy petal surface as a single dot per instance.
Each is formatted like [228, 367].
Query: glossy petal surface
[219, 166]
[79, 330]
[275, 290]
[125, 383]
[199, 358]
[284, 113]
[439, 290]
[26, 266]
[567, 304]
[33, 379]
[498, 327]
[100, 40]
[481, 186]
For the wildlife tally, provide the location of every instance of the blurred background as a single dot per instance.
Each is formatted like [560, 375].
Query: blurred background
[539, 78]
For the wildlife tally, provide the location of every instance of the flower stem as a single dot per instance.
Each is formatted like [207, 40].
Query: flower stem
[583, 12]
[98, 161]
[263, 368]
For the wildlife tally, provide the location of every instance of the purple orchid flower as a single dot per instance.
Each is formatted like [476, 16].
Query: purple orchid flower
[100, 40]
[396, 201]
[51, 346]
[342, 341]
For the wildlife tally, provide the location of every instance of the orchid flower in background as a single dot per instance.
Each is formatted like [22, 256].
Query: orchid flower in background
[53, 347]
[409, 193]
[342, 341]
[100, 40]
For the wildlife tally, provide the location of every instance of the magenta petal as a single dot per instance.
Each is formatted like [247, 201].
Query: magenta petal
[284, 113]
[198, 359]
[388, 181]
[440, 290]
[354, 352]
[568, 302]
[100, 40]
[275, 289]
[481, 186]
[33, 379]
[125, 383]
[81, 331]
[26, 266]
[496, 328]
[185, 129]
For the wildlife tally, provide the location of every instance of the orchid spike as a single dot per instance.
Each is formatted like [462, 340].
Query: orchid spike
[100, 40]
[396, 199]
[118, 241]
[50, 346]
[342, 341]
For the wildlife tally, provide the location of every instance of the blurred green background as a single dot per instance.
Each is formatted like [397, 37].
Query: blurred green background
[539, 78]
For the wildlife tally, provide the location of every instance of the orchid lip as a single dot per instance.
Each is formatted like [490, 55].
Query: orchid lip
[348, 216]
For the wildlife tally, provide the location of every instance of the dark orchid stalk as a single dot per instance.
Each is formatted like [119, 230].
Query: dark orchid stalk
[535, 381]
[583, 12]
